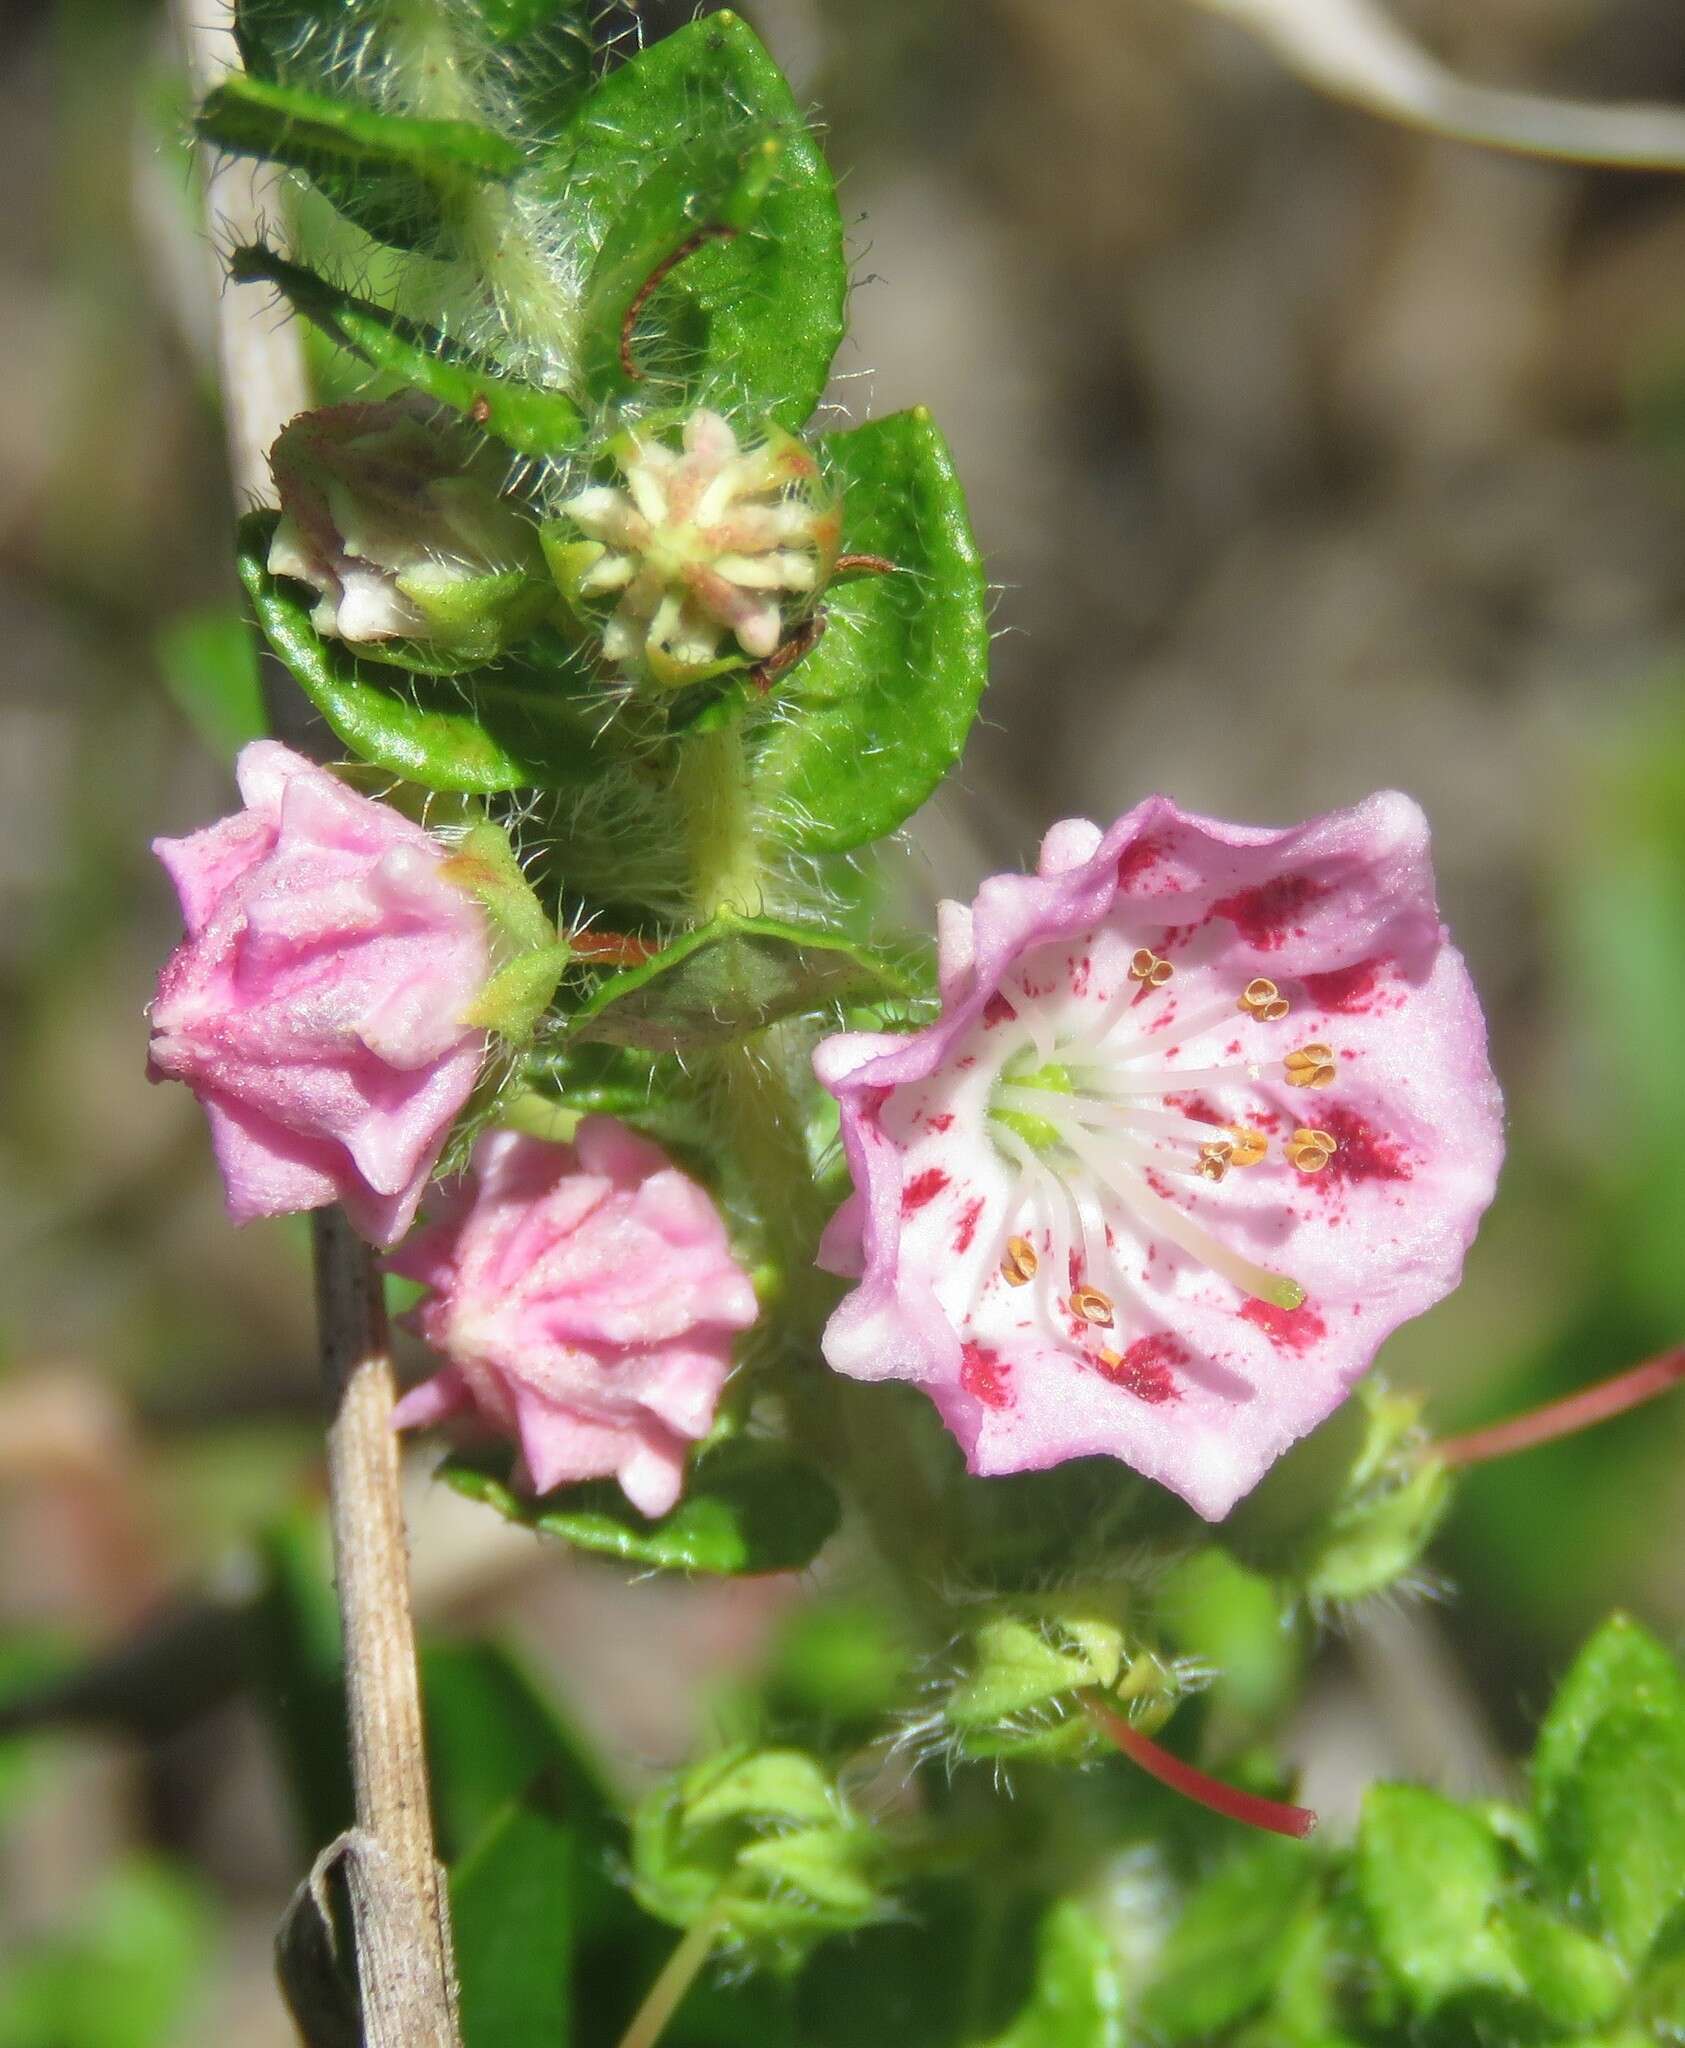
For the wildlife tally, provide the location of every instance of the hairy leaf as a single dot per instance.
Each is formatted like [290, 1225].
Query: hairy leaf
[875, 715]
[1630, 1807]
[525, 417]
[697, 135]
[734, 976]
[748, 1508]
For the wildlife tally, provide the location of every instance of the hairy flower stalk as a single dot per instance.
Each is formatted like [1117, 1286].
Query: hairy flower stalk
[1206, 1115]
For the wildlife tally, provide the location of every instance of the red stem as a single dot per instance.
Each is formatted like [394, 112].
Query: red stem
[612, 949]
[1228, 1800]
[716, 232]
[1575, 1412]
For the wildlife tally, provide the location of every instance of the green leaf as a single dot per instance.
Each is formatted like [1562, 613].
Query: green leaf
[1078, 1997]
[255, 117]
[493, 1736]
[525, 417]
[1622, 1666]
[533, 56]
[1629, 1804]
[513, 726]
[1574, 1981]
[734, 976]
[124, 1976]
[209, 664]
[700, 132]
[748, 1507]
[873, 717]
[512, 1911]
[1430, 1875]
[1227, 1950]
[296, 1675]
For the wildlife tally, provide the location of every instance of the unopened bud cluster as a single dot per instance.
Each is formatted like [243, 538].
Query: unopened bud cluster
[698, 559]
[764, 1841]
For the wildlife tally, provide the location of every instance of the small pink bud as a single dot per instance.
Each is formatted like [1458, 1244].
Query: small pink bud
[317, 1004]
[585, 1298]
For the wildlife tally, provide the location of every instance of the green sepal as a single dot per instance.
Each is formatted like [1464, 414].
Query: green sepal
[513, 726]
[524, 417]
[1350, 1512]
[749, 1507]
[522, 989]
[877, 712]
[733, 976]
[673, 141]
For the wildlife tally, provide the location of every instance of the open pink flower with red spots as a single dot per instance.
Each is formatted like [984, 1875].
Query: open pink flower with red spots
[318, 1004]
[586, 1299]
[1207, 1114]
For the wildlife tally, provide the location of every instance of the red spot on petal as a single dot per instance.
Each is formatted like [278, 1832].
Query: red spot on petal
[984, 1377]
[1363, 1153]
[1292, 1329]
[1264, 917]
[997, 1010]
[968, 1225]
[922, 1188]
[1139, 858]
[945, 1122]
[1200, 1107]
[1146, 1368]
[1344, 989]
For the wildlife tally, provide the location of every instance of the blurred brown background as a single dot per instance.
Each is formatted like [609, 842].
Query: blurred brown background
[1308, 455]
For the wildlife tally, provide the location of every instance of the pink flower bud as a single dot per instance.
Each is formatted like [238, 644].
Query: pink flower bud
[316, 1005]
[585, 1297]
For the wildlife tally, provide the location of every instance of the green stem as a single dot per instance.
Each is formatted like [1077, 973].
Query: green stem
[493, 225]
[678, 1974]
[714, 798]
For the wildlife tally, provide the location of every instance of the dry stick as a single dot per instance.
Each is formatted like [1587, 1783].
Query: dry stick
[405, 1976]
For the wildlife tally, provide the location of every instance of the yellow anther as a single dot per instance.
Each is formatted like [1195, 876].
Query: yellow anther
[1310, 1151]
[1215, 1159]
[1246, 1146]
[1092, 1306]
[1262, 999]
[1311, 1066]
[1151, 968]
[1018, 1268]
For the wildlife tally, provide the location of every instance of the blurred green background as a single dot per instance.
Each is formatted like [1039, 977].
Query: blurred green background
[1309, 456]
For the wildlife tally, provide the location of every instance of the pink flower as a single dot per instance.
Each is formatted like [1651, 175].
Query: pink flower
[586, 1298]
[316, 1005]
[1206, 1115]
